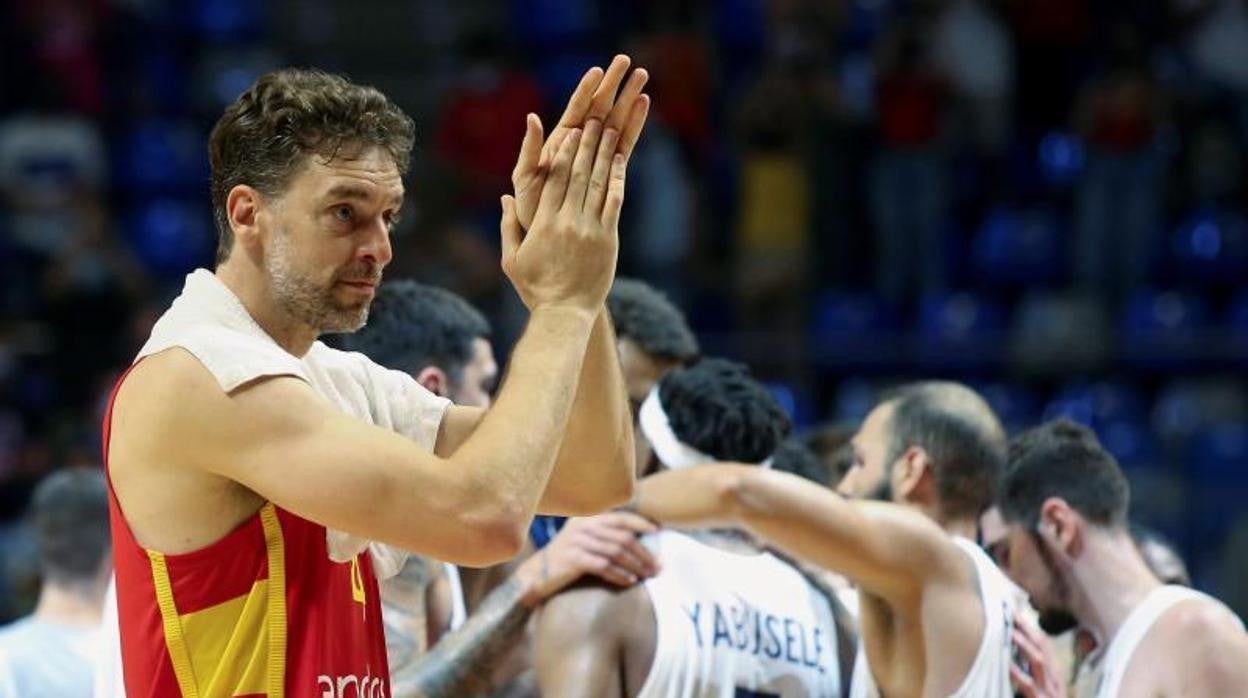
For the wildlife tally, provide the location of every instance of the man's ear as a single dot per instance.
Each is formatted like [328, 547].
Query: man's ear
[915, 477]
[1061, 526]
[434, 380]
[242, 210]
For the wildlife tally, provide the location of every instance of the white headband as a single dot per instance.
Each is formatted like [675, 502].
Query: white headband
[669, 449]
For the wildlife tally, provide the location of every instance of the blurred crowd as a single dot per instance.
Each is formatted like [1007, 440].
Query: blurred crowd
[1045, 198]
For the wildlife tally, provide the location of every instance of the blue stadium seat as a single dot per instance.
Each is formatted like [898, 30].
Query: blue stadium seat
[171, 236]
[1061, 157]
[162, 157]
[1016, 406]
[1018, 248]
[1210, 246]
[854, 400]
[1133, 444]
[1219, 455]
[1237, 316]
[793, 402]
[855, 329]
[1097, 405]
[960, 331]
[225, 21]
[1164, 329]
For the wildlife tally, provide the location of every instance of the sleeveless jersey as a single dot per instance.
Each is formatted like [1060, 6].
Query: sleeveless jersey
[989, 675]
[1104, 671]
[279, 606]
[731, 625]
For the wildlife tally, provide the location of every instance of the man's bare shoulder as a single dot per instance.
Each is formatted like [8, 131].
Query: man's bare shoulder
[591, 605]
[1205, 641]
[171, 399]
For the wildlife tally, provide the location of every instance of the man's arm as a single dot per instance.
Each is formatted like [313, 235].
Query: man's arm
[462, 663]
[889, 551]
[281, 440]
[594, 469]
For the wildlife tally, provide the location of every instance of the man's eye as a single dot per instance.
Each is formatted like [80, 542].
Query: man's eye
[343, 213]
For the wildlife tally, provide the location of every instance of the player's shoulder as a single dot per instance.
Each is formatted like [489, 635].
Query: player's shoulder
[594, 605]
[1202, 635]
[1199, 620]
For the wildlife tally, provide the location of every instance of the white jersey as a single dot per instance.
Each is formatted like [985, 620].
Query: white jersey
[1102, 673]
[989, 675]
[732, 624]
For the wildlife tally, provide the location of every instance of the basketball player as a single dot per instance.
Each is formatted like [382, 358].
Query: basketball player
[722, 618]
[935, 612]
[1064, 501]
[252, 467]
[440, 340]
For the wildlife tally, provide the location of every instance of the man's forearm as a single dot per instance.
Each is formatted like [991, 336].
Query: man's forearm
[594, 470]
[882, 547]
[462, 663]
[513, 449]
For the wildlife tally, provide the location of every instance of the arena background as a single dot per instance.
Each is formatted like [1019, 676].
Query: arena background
[1044, 198]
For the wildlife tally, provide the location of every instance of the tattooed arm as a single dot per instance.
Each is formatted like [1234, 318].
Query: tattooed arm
[461, 663]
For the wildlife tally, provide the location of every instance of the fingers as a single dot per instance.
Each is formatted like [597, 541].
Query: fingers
[597, 194]
[600, 566]
[530, 159]
[556, 185]
[615, 193]
[632, 128]
[604, 95]
[582, 97]
[582, 166]
[628, 96]
[1023, 683]
[639, 525]
[624, 549]
[509, 228]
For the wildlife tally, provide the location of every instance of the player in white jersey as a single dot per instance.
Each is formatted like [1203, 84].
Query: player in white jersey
[936, 614]
[722, 618]
[1064, 501]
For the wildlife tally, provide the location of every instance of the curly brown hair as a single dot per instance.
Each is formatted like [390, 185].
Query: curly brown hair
[264, 137]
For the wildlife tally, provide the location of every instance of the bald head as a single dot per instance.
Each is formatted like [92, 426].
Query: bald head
[961, 435]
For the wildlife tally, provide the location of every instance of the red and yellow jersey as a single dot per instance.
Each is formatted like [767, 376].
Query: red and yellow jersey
[261, 612]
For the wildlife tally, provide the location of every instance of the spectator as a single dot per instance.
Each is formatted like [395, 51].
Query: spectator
[1117, 207]
[909, 198]
[52, 652]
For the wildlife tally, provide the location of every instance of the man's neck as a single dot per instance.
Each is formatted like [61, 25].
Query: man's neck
[257, 299]
[81, 606]
[1108, 581]
[965, 528]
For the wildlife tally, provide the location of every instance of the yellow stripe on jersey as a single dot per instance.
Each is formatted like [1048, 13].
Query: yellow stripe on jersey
[174, 640]
[276, 547]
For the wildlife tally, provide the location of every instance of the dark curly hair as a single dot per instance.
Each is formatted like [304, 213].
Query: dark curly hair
[263, 138]
[647, 317]
[716, 407]
[411, 326]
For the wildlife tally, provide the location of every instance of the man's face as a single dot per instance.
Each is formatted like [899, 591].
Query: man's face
[870, 475]
[641, 373]
[1022, 555]
[478, 378]
[327, 238]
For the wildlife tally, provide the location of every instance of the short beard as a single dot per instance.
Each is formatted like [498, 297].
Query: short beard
[306, 301]
[1054, 621]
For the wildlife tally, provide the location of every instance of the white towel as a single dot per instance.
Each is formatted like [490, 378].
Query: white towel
[210, 322]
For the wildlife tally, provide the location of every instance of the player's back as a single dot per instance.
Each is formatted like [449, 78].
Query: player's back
[730, 624]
